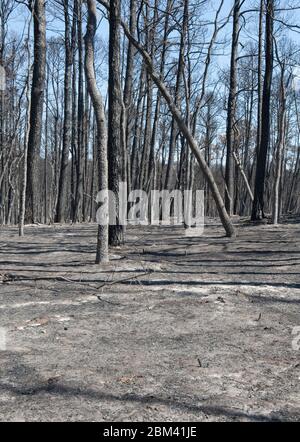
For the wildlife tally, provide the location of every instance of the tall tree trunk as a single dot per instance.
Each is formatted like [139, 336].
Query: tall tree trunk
[24, 177]
[296, 173]
[102, 240]
[116, 232]
[260, 178]
[127, 95]
[26, 138]
[46, 154]
[229, 170]
[80, 121]
[36, 111]
[74, 139]
[279, 147]
[62, 201]
[259, 75]
[179, 78]
[152, 161]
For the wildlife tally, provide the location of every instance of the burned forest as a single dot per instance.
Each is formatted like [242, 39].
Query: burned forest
[149, 213]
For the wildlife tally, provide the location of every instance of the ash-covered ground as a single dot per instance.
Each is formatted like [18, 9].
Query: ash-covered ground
[174, 328]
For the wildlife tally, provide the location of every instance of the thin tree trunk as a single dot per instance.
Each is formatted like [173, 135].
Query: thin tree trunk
[229, 169]
[102, 239]
[127, 95]
[279, 147]
[80, 122]
[259, 76]
[67, 131]
[26, 138]
[296, 173]
[46, 155]
[179, 78]
[242, 172]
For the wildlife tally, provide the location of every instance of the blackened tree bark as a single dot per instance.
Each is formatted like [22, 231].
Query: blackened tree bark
[36, 110]
[229, 170]
[116, 232]
[80, 120]
[259, 74]
[74, 142]
[258, 203]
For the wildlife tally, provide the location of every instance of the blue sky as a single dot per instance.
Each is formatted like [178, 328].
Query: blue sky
[19, 21]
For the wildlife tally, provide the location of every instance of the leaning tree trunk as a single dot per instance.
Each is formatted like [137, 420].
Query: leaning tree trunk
[102, 241]
[186, 133]
[243, 174]
[183, 128]
[36, 111]
[260, 178]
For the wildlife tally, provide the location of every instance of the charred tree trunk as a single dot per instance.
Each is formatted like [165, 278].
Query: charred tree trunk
[80, 122]
[229, 170]
[36, 111]
[259, 76]
[260, 178]
[116, 232]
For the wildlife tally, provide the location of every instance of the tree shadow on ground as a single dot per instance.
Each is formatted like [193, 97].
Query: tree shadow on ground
[222, 283]
[210, 411]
